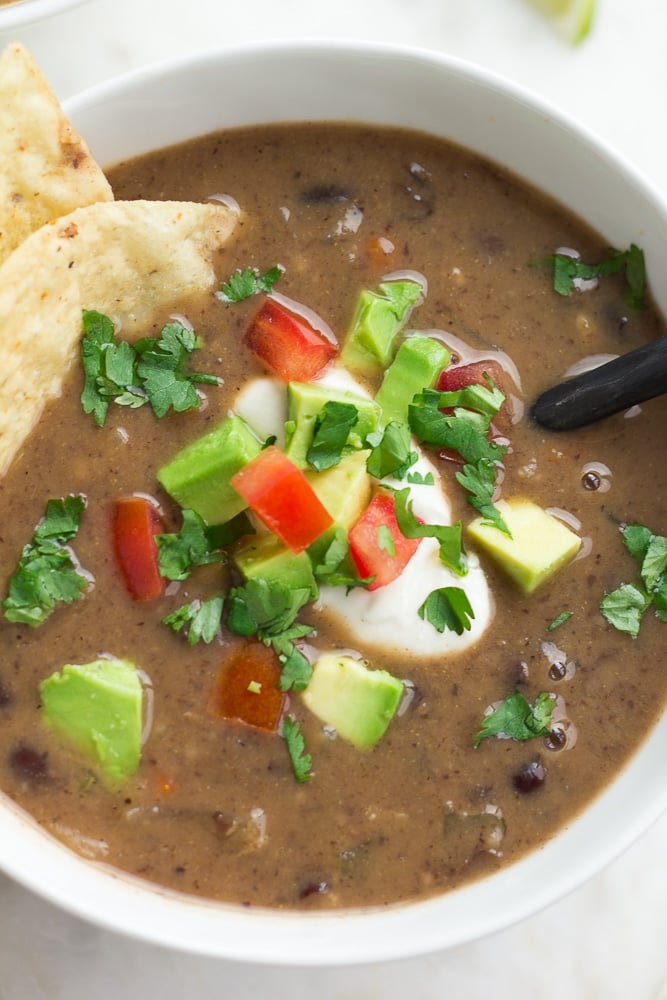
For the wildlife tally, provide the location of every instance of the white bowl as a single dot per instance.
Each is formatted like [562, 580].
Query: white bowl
[444, 96]
[17, 15]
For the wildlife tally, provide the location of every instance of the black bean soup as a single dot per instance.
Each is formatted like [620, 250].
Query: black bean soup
[214, 808]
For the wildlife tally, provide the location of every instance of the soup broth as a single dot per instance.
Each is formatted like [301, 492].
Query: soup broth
[214, 808]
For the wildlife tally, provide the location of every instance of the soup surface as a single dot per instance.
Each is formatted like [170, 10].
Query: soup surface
[215, 808]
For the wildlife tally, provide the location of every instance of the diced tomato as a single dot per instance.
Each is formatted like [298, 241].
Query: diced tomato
[135, 524]
[288, 344]
[281, 496]
[377, 545]
[459, 376]
[246, 688]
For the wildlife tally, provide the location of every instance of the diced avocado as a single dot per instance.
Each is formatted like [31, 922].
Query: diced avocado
[97, 707]
[358, 702]
[540, 544]
[369, 344]
[265, 557]
[418, 362]
[305, 401]
[344, 489]
[198, 476]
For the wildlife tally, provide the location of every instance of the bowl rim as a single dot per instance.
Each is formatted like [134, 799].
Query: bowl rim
[26, 12]
[122, 904]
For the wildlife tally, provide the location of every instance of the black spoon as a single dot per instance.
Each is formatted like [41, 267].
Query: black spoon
[616, 385]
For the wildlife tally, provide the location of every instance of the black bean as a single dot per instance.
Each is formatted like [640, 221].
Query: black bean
[313, 889]
[324, 193]
[529, 778]
[29, 764]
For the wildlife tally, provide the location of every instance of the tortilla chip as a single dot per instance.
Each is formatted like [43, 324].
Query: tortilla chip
[46, 169]
[132, 260]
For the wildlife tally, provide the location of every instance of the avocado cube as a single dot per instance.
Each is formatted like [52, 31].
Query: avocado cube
[198, 477]
[305, 401]
[344, 489]
[377, 321]
[418, 362]
[540, 544]
[358, 702]
[266, 558]
[97, 707]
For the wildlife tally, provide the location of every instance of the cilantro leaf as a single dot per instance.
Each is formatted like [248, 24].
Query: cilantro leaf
[332, 428]
[181, 551]
[516, 719]
[567, 270]
[160, 370]
[447, 535]
[560, 620]
[392, 454]
[302, 762]
[447, 608]
[624, 608]
[149, 371]
[202, 619]
[46, 574]
[479, 480]
[457, 432]
[296, 669]
[242, 284]
[265, 607]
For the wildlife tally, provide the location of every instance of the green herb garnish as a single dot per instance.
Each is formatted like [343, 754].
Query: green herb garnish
[479, 480]
[624, 607]
[516, 719]
[247, 282]
[181, 551]
[567, 270]
[199, 619]
[449, 536]
[46, 574]
[332, 428]
[149, 371]
[448, 608]
[302, 762]
[563, 617]
[392, 454]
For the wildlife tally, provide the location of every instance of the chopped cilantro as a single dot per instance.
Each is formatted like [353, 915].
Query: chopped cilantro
[149, 371]
[514, 718]
[567, 270]
[417, 479]
[179, 552]
[447, 608]
[268, 609]
[560, 620]
[624, 607]
[46, 574]
[479, 480]
[447, 535]
[160, 370]
[332, 428]
[302, 762]
[202, 619]
[385, 540]
[244, 283]
[391, 454]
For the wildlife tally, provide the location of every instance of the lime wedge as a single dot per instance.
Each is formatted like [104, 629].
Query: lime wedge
[572, 18]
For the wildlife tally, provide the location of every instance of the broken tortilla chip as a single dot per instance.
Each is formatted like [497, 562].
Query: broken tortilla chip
[46, 169]
[131, 260]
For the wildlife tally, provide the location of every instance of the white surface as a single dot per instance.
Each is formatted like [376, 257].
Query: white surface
[606, 940]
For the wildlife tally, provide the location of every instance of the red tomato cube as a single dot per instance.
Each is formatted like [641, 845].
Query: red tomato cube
[377, 545]
[288, 344]
[281, 496]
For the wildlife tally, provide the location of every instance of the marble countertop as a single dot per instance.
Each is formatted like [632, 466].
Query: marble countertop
[605, 941]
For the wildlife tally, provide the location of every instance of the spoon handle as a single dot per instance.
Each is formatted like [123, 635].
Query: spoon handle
[617, 385]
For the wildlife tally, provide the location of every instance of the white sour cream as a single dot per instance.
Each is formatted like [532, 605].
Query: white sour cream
[388, 616]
